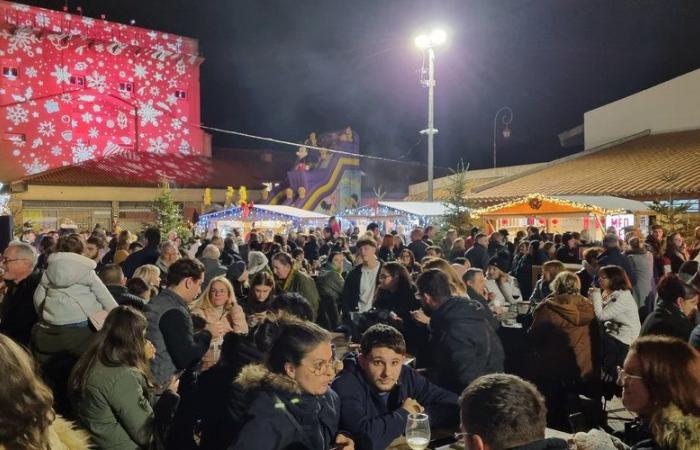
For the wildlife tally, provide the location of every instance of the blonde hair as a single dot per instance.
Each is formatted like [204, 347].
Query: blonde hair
[206, 304]
[146, 271]
[566, 283]
[552, 268]
[26, 410]
[457, 286]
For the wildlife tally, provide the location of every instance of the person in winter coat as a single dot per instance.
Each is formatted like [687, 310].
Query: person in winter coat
[221, 404]
[147, 255]
[465, 345]
[170, 326]
[660, 381]
[292, 403]
[388, 251]
[676, 253]
[68, 297]
[27, 419]
[292, 280]
[550, 270]
[110, 386]
[115, 281]
[212, 266]
[523, 270]
[503, 286]
[261, 293]
[329, 283]
[564, 333]
[223, 314]
[589, 270]
[675, 310]
[18, 283]
[362, 281]
[642, 262]
[378, 391]
[612, 256]
[478, 254]
[168, 255]
[616, 309]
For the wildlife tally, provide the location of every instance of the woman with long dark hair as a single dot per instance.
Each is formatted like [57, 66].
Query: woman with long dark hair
[676, 253]
[388, 251]
[292, 404]
[408, 260]
[110, 385]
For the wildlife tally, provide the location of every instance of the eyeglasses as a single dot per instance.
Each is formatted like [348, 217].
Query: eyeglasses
[623, 376]
[321, 367]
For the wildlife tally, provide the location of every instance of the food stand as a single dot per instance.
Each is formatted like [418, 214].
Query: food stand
[556, 214]
[270, 219]
[399, 215]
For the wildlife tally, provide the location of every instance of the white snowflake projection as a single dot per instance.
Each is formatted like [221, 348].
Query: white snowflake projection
[37, 142]
[42, 20]
[157, 146]
[35, 166]
[148, 113]
[80, 66]
[61, 74]
[66, 98]
[172, 99]
[97, 81]
[158, 76]
[184, 148]
[140, 71]
[154, 91]
[30, 72]
[170, 136]
[86, 117]
[56, 150]
[47, 129]
[23, 39]
[93, 133]
[122, 121]
[16, 114]
[172, 83]
[180, 67]
[176, 124]
[82, 151]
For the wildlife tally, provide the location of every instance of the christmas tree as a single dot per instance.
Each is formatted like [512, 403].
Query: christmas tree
[169, 213]
[457, 207]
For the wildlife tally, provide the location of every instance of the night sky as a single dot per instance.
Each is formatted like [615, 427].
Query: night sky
[283, 68]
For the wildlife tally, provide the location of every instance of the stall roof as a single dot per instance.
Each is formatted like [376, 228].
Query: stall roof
[550, 204]
[292, 211]
[607, 202]
[417, 208]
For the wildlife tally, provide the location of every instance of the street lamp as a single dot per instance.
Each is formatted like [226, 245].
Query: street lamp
[506, 119]
[427, 43]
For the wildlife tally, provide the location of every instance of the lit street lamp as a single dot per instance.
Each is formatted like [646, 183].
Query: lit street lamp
[427, 43]
[506, 119]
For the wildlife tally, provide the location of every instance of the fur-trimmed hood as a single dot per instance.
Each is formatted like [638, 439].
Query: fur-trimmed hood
[255, 376]
[677, 430]
[64, 435]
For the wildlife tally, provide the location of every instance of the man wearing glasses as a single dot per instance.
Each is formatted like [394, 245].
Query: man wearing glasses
[502, 411]
[19, 281]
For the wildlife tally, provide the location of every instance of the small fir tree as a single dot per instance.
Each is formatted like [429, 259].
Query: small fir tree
[169, 213]
[672, 214]
[458, 216]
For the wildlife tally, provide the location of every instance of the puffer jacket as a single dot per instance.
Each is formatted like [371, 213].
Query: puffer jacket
[673, 431]
[70, 290]
[564, 332]
[275, 398]
[621, 309]
[115, 407]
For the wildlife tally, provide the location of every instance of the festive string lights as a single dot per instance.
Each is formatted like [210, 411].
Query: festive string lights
[535, 202]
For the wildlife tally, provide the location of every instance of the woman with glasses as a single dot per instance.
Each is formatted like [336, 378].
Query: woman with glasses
[222, 313]
[660, 381]
[407, 259]
[292, 404]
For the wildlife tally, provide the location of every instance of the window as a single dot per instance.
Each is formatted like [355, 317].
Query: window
[126, 87]
[10, 72]
[181, 94]
[77, 80]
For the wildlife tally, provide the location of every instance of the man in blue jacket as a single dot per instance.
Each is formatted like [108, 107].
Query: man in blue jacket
[378, 392]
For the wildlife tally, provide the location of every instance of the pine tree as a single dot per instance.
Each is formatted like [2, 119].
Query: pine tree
[458, 216]
[169, 213]
[672, 213]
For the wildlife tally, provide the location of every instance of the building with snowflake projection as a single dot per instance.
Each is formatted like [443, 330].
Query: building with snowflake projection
[75, 88]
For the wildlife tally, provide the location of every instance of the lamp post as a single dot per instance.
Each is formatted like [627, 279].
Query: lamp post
[506, 119]
[427, 43]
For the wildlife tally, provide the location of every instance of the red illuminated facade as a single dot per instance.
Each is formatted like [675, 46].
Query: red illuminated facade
[75, 88]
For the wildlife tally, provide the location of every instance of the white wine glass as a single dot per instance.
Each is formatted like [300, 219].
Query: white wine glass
[418, 431]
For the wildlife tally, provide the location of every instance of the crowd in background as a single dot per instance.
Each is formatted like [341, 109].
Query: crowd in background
[226, 341]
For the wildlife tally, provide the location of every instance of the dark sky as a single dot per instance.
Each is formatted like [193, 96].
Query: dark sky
[283, 68]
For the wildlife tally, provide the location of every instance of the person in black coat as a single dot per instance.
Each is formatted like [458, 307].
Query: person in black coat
[147, 255]
[418, 246]
[590, 267]
[612, 256]
[115, 281]
[352, 299]
[291, 403]
[378, 391]
[19, 280]
[675, 310]
[568, 251]
[464, 342]
[478, 254]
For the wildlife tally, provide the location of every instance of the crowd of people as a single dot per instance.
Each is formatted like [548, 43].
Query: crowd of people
[119, 341]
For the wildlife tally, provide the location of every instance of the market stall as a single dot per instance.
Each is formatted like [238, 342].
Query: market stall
[270, 219]
[398, 215]
[556, 214]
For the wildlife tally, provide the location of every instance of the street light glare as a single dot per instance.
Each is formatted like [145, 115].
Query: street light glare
[438, 37]
[423, 41]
